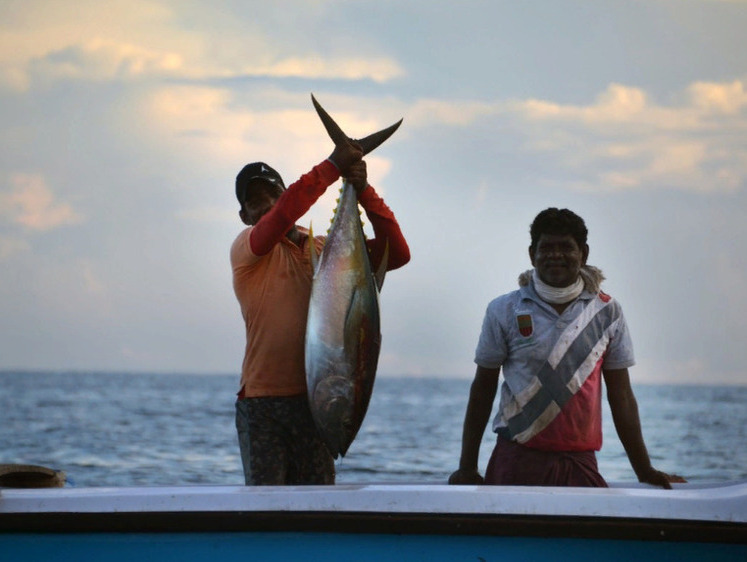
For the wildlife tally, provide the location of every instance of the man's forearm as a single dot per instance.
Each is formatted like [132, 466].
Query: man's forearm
[292, 204]
[628, 426]
[386, 231]
[482, 394]
[624, 408]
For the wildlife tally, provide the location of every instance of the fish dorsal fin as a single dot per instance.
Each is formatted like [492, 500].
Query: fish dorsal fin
[381, 271]
[313, 255]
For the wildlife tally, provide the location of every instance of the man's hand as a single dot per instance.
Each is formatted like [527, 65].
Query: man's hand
[345, 155]
[358, 176]
[466, 476]
[659, 478]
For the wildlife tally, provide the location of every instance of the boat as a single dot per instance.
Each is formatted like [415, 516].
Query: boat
[375, 522]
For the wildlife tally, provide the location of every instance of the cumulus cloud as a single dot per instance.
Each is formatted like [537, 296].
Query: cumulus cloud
[99, 60]
[377, 69]
[29, 202]
[728, 99]
[623, 139]
[619, 106]
[132, 40]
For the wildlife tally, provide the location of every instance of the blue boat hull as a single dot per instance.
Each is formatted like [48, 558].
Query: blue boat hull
[181, 547]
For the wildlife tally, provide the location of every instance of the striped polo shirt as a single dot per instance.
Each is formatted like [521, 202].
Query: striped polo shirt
[550, 398]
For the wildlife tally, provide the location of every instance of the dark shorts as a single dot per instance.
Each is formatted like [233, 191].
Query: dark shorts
[279, 443]
[512, 464]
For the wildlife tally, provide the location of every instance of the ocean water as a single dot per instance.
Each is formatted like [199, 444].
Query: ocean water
[109, 429]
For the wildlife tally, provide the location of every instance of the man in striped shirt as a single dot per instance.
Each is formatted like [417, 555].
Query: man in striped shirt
[555, 338]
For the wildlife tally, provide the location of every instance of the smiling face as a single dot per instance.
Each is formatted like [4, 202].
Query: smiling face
[558, 259]
[262, 197]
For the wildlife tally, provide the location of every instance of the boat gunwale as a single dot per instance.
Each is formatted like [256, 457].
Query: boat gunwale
[470, 524]
[694, 513]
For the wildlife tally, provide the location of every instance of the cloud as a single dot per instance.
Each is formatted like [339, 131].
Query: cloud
[377, 69]
[727, 99]
[134, 40]
[622, 140]
[41, 41]
[31, 203]
[102, 60]
[621, 107]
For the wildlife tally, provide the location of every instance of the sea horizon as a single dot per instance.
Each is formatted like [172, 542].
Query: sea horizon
[124, 372]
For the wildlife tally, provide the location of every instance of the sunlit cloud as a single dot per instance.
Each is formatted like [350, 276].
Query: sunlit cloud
[99, 60]
[29, 202]
[617, 105]
[376, 69]
[623, 139]
[208, 123]
[102, 40]
[142, 39]
[728, 98]
[626, 141]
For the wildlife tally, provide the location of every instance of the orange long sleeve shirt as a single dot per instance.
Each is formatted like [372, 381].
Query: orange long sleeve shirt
[272, 281]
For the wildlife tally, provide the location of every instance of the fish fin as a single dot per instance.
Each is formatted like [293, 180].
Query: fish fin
[339, 137]
[313, 255]
[354, 306]
[381, 270]
[375, 139]
[333, 129]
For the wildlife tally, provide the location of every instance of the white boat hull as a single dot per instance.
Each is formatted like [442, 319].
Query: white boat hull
[374, 522]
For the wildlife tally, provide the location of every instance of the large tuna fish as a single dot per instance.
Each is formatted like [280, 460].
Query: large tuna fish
[343, 336]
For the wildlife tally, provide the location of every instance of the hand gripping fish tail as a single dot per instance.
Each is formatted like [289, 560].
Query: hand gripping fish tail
[343, 335]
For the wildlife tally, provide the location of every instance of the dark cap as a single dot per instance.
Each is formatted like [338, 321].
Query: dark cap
[256, 170]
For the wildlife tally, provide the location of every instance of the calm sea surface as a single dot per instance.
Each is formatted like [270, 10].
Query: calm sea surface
[124, 430]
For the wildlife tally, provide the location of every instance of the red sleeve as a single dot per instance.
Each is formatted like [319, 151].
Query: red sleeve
[291, 206]
[385, 228]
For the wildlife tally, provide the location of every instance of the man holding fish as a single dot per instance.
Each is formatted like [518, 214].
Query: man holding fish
[272, 279]
[556, 338]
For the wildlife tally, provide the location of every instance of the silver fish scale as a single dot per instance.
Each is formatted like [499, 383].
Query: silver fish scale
[343, 336]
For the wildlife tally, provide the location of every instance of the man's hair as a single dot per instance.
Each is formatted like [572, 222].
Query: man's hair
[558, 221]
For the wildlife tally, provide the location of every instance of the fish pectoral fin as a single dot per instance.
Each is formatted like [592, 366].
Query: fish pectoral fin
[313, 255]
[381, 270]
[354, 309]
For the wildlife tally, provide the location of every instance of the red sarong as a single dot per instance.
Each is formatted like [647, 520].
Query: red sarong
[512, 464]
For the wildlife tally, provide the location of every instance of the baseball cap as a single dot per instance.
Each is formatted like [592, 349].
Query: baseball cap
[256, 170]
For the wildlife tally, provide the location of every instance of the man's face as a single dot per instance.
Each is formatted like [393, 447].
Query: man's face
[558, 259]
[262, 198]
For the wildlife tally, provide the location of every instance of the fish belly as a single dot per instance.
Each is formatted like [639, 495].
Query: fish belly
[343, 335]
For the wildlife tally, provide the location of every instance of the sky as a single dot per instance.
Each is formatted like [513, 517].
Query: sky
[124, 124]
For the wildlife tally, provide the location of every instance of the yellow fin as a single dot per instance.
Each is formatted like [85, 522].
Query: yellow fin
[381, 271]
